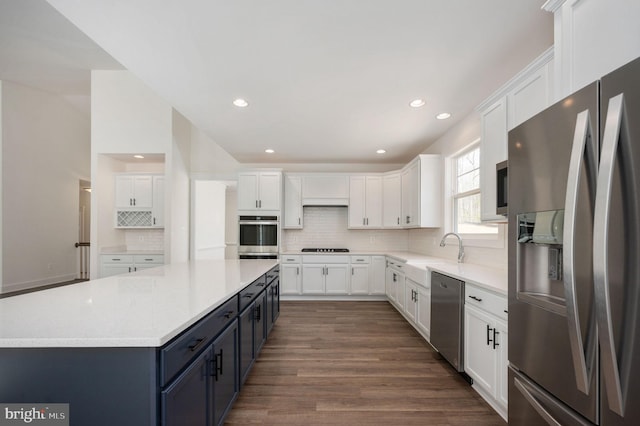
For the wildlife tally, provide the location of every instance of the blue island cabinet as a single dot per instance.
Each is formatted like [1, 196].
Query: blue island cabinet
[204, 392]
[192, 380]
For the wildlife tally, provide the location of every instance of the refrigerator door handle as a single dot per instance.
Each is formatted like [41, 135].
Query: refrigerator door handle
[583, 362]
[531, 399]
[610, 368]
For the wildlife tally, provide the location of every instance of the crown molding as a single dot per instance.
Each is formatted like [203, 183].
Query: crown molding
[541, 60]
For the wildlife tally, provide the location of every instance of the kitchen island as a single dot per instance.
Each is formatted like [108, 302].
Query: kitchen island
[144, 348]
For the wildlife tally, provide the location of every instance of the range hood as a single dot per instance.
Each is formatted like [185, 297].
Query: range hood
[325, 189]
[324, 202]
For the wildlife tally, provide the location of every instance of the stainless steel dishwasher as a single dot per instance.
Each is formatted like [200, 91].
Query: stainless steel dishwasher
[447, 298]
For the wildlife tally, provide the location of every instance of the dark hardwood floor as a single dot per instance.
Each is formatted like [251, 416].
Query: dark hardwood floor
[353, 363]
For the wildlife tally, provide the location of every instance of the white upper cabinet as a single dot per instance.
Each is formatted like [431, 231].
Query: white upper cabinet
[592, 38]
[158, 201]
[525, 95]
[259, 191]
[365, 202]
[530, 96]
[392, 200]
[410, 189]
[421, 189]
[493, 150]
[139, 201]
[293, 202]
[134, 191]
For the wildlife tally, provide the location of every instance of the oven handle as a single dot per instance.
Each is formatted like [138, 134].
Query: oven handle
[258, 222]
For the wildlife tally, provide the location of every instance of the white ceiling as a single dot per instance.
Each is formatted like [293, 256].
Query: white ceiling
[328, 81]
[40, 48]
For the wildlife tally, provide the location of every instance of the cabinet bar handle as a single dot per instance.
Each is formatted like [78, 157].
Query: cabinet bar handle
[198, 342]
[488, 335]
[249, 295]
[228, 314]
[398, 220]
[475, 298]
[298, 221]
[220, 363]
[495, 343]
[297, 270]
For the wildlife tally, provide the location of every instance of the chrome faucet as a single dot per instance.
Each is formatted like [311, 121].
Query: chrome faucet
[460, 248]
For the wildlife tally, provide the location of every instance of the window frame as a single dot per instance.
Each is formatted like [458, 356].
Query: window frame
[492, 240]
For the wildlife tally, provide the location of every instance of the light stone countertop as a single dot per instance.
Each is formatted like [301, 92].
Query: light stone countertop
[141, 309]
[492, 279]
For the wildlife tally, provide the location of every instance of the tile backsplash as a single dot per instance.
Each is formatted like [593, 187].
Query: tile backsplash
[327, 227]
[144, 239]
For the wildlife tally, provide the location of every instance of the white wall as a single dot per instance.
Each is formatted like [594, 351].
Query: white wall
[209, 160]
[427, 241]
[129, 118]
[177, 219]
[45, 153]
[231, 222]
[208, 219]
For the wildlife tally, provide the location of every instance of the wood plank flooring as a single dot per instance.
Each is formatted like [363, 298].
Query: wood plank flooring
[353, 363]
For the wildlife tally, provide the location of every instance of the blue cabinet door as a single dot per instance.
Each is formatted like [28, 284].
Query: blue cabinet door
[247, 349]
[225, 372]
[260, 329]
[186, 401]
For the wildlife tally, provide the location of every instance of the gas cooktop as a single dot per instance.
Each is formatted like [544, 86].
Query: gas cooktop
[325, 250]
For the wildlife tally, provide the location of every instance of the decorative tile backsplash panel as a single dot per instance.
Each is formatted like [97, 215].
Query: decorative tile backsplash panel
[327, 227]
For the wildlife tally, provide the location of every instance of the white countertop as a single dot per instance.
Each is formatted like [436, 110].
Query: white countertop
[142, 309]
[493, 279]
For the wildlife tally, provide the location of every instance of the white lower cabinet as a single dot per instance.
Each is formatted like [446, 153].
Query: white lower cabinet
[325, 274]
[377, 275]
[417, 300]
[423, 316]
[411, 300]
[395, 283]
[290, 275]
[116, 264]
[360, 276]
[485, 345]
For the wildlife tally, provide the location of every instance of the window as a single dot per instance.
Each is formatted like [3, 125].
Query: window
[466, 194]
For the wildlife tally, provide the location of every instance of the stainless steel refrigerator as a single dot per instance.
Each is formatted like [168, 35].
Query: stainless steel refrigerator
[574, 258]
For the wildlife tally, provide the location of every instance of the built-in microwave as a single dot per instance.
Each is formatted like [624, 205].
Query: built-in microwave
[258, 236]
[502, 188]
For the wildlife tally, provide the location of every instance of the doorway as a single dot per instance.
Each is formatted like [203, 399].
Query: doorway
[84, 229]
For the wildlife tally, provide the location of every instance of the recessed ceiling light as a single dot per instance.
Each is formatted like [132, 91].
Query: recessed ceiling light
[416, 103]
[240, 103]
[138, 156]
[443, 116]
[269, 151]
[380, 151]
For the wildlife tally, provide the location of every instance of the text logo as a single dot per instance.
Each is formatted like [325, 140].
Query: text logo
[34, 414]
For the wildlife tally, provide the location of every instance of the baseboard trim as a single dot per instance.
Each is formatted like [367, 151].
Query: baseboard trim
[11, 287]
